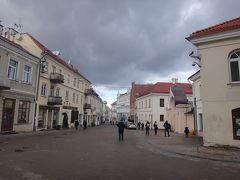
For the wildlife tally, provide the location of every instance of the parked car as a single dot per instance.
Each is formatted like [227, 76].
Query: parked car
[131, 125]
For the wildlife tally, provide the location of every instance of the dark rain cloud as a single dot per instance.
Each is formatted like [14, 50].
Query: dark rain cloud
[115, 42]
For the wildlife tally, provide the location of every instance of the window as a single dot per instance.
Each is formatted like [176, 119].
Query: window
[60, 71]
[67, 95]
[23, 112]
[12, 69]
[149, 103]
[74, 82]
[44, 89]
[161, 102]
[58, 92]
[235, 66]
[200, 128]
[77, 98]
[54, 69]
[81, 99]
[145, 103]
[73, 97]
[26, 74]
[78, 84]
[68, 80]
[236, 123]
[161, 117]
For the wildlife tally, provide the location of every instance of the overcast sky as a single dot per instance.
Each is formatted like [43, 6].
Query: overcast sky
[115, 42]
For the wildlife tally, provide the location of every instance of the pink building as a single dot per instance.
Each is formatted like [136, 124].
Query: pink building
[180, 111]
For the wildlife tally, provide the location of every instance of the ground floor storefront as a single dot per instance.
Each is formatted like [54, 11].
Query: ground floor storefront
[16, 112]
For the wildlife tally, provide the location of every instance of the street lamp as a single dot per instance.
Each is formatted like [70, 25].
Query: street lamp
[197, 58]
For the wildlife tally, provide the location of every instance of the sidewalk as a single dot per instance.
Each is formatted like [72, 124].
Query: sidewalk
[191, 147]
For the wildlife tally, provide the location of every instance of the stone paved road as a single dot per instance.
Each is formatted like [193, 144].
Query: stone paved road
[97, 154]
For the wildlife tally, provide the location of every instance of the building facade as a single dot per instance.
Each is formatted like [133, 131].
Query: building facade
[18, 85]
[180, 109]
[60, 98]
[123, 106]
[218, 49]
[154, 101]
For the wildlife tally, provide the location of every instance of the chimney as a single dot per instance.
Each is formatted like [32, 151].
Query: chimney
[174, 80]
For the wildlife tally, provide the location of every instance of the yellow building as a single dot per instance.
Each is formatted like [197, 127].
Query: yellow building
[60, 96]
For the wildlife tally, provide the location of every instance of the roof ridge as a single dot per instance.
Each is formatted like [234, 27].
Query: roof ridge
[59, 59]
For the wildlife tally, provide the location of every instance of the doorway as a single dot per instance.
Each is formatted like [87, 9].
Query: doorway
[8, 115]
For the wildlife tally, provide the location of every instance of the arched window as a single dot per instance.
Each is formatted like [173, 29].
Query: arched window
[236, 123]
[235, 66]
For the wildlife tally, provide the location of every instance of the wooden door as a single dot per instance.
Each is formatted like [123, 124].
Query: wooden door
[8, 115]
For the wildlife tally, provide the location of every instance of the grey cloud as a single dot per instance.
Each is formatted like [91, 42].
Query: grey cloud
[115, 42]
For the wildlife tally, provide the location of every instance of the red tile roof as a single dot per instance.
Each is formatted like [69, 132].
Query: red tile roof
[162, 87]
[55, 57]
[225, 26]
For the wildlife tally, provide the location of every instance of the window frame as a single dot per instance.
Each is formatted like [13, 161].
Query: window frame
[23, 110]
[161, 117]
[161, 102]
[231, 59]
[28, 80]
[44, 89]
[12, 67]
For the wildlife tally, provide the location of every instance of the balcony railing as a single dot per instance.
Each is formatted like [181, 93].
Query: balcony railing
[54, 100]
[57, 78]
[87, 106]
[4, 82]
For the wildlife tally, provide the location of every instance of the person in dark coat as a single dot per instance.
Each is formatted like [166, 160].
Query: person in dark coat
[84, 124]
[167, 127]
[155, 127]
[139, 125]
[186, 131]
[65, 120]
[76, 124]
[147, 128]
[121, 127]
[142, 125]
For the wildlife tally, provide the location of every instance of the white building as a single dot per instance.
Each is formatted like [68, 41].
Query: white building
[152, 105]
[218, 50]
[113, 112]
[197, 102]
[123, 106]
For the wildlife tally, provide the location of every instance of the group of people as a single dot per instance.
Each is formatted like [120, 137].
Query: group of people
[76, 124]
[121, 126]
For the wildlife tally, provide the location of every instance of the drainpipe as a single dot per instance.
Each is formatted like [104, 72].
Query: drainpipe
[42, 59]
[36, 96]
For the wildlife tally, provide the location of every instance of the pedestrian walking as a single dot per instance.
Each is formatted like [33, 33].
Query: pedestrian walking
[121, 127]
[147, 128]
[139, 125]
[142, 125]
[155, 127]
[167, 128]
[84, 124]
[76, 124]
[65, 120]
[186, 131]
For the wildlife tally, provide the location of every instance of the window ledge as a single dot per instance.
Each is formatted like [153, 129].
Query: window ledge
[233, 84]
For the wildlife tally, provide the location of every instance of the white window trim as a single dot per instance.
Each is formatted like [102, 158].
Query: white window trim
[30, 74]
[230, 71]
[15, 75]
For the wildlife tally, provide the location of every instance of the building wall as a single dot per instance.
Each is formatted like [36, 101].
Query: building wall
[151, 111]
[19, 90]
[70, 77]
[123, 106]
[219, 96]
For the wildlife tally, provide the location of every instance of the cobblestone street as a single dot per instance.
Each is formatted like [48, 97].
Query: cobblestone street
[96, 153]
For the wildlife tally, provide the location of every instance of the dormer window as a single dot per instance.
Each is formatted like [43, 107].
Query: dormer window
[235, 66]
